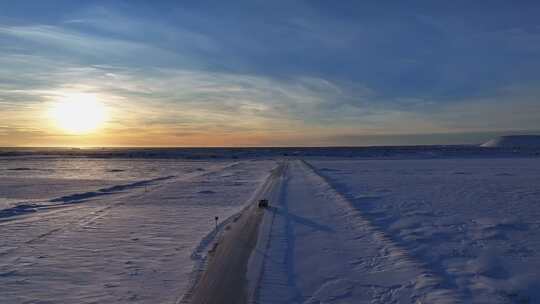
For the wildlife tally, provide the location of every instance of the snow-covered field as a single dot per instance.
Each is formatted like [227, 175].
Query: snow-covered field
[112, 231]
[471, 225]
[432, 230]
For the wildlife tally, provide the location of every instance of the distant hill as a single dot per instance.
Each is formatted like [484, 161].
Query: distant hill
[515, 141]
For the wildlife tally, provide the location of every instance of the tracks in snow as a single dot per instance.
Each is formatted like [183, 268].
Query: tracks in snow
[320, 249]
[81, 214]
[278, 247]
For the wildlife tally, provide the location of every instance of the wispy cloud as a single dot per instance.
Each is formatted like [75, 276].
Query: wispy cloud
[76, 47]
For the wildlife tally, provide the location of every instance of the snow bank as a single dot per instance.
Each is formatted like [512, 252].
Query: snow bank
[471, 222]
[514, 141]
[320, 249]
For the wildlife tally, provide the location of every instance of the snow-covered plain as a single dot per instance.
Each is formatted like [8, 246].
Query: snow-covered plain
[471, 225]
[384, 228]
[113, 231]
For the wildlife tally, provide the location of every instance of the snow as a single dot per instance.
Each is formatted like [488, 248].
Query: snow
[162, 154]
[514, 141]
[132, 242]
[417, 225]
[321, 250]
[472, 223]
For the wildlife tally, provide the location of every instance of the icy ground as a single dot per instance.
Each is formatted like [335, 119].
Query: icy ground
[112, 231]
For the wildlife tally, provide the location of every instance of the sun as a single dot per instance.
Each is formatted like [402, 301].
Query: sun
[78, 113]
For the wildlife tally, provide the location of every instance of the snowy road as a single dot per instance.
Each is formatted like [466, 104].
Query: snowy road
[322, 250]
[225, 279]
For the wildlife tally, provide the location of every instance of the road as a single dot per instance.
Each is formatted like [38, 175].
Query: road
[225, 280]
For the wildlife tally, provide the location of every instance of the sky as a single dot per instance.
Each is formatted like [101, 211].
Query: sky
[269, 73]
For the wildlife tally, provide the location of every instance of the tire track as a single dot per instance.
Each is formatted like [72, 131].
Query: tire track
[52, 212]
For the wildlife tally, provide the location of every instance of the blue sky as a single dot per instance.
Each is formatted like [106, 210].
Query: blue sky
[272, 72]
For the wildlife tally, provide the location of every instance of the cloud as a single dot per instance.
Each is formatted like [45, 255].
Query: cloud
[109, 22]
[508, 108]
[79, 47]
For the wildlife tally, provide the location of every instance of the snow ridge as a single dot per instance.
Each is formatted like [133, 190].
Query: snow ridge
[274, 268]
[29, 207]
[200, 256]
[426, 286]
[514, 141]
